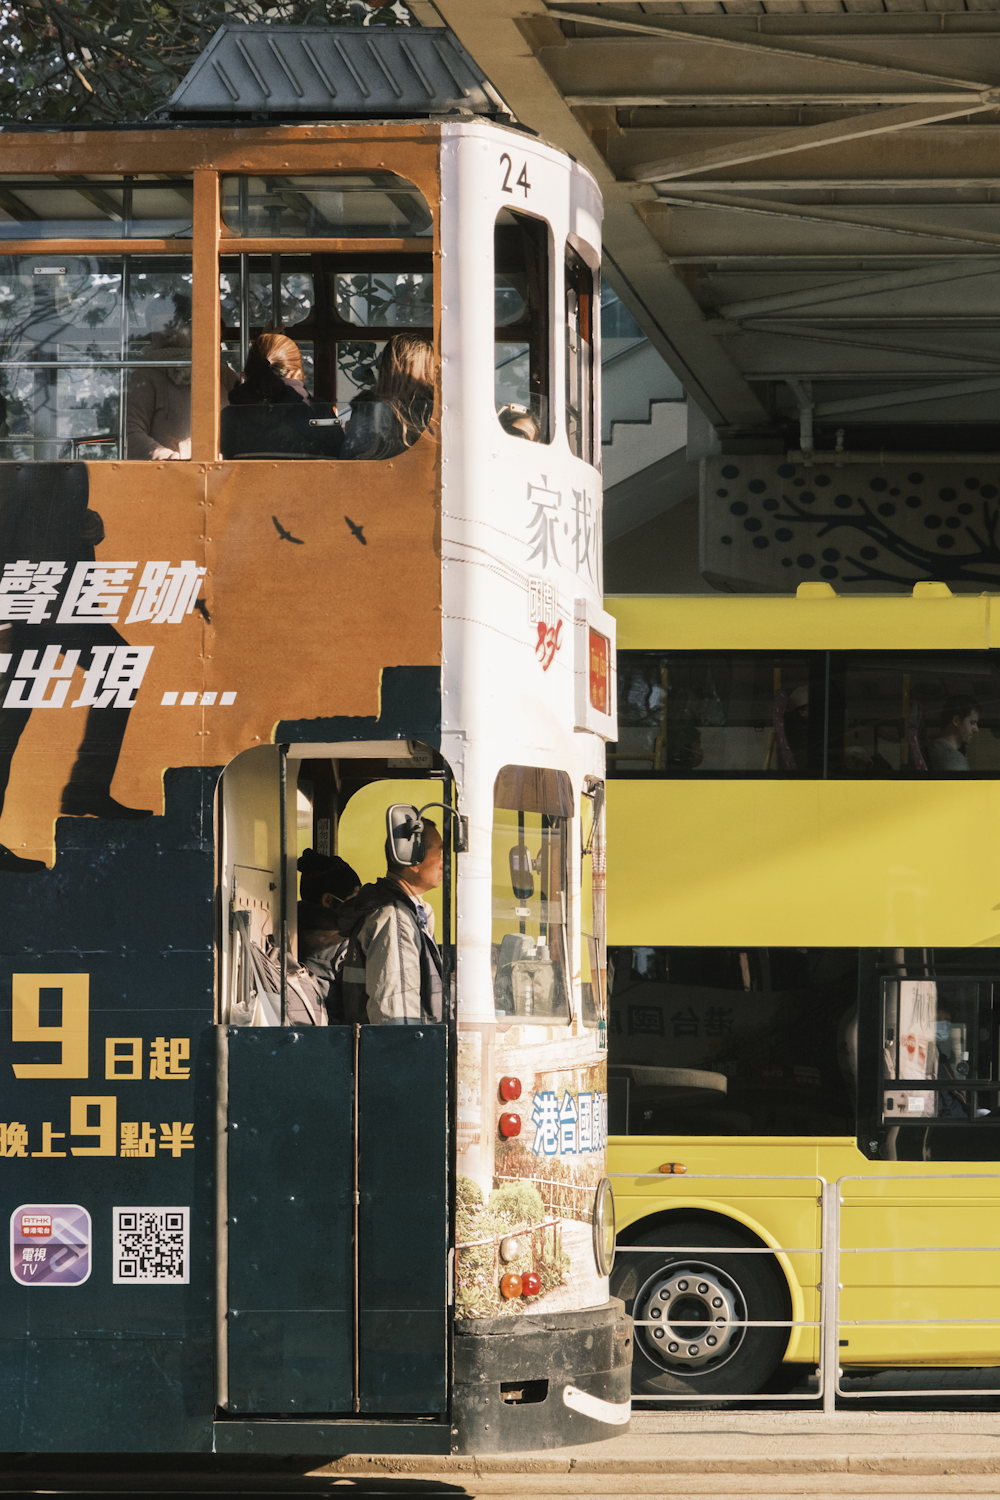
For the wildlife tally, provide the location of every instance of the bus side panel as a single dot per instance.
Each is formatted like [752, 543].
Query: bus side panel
[290, 1144]
[403, 1218]
[804, 862]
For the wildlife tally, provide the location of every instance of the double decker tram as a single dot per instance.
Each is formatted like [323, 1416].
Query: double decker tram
[236, 629]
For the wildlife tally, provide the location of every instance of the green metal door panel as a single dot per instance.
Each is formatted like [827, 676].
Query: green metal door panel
[290, 1169]
[403, 1219]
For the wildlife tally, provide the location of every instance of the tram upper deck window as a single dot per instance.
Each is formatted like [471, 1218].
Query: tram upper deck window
[340, 309]
[82, 340]
[579, 356]
[724, 1041]
[531, 816]
[145, 206]
[357, 205]
[521, 317]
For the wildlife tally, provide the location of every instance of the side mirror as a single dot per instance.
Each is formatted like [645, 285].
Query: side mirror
[522, 877]
[404, 844]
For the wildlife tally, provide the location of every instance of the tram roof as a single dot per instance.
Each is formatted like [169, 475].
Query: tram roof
[266, 72]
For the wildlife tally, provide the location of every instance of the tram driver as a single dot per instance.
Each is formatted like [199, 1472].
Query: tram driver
[959, 724]
[392, 966]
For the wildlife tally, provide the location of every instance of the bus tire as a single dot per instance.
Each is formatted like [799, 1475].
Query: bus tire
[710, 1292]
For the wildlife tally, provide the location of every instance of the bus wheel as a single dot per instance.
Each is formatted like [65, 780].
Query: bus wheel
[690, 1307]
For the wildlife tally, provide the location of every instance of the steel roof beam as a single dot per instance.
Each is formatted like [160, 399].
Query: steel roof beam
[758, 43]
[868, 286]
[816, 214]
[783, 142]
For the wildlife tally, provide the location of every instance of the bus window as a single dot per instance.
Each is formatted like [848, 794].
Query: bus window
[935, 715]
[724, 713]
[728, 1041]
[348, 205]
[531, 820]
[579, 356]
[96, 356]
[341, 311]
[521, 339]
[939, 1048]
[96, 207]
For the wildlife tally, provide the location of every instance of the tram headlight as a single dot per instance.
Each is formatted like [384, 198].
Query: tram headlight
[604, 1227]
[510, 1247]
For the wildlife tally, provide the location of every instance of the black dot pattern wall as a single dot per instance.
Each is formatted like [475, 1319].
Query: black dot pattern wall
[768, 525]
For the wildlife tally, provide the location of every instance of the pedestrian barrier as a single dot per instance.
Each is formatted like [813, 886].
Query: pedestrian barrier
[828, 1250]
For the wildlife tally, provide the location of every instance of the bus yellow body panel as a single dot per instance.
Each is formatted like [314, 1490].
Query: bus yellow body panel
[800, 863]
[803, 863]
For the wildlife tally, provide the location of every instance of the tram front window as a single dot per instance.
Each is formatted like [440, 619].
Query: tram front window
[521, 339]
[531, 815]
[82, 338]
[579, 356]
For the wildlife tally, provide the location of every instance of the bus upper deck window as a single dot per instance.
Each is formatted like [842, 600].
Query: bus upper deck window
[521, 339]
[96, 355]
[579, 356]
[530, 953]
[355, 205]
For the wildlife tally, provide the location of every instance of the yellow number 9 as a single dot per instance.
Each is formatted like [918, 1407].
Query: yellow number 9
[73, 1033]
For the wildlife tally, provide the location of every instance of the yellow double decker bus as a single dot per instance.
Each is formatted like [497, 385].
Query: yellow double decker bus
[804, 985]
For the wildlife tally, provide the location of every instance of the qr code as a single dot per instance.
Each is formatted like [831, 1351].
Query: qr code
[152, 1245]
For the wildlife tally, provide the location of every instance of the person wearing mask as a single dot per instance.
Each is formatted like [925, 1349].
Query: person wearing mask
[326, 883]
[959, 725]
[392, 967]
[388, 419]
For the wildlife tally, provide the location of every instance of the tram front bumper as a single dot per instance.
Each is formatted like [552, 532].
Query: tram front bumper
[541, 1381]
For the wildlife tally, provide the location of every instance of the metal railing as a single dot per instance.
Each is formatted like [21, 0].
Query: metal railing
[831, 1202]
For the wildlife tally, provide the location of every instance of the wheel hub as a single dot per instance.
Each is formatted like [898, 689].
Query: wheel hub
[693, 1315]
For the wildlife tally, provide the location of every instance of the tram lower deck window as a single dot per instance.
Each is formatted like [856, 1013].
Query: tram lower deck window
[531, 815]
[814, 714]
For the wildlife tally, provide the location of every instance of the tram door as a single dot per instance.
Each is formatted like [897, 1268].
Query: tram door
[332, 1161]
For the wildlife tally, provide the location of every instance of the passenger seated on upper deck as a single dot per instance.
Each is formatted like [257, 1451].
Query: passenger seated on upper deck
[273, 373]
[518, 422]
[959, 722]
[389, 419]
[158, 416]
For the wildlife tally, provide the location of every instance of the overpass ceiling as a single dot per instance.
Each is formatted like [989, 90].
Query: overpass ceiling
[802, 196]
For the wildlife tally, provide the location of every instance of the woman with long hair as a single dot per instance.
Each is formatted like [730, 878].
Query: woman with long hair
[388, 419]
[273, 374]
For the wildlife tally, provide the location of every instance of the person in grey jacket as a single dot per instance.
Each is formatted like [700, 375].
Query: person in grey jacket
[391, 931]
